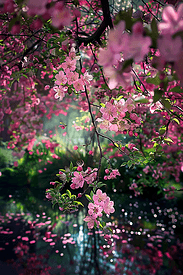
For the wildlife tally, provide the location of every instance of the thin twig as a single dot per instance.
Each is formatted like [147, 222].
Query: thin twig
[151, 11]
[146, 92]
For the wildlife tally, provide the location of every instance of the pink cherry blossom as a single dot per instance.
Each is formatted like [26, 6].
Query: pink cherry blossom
[121, 107]
[87, 78]
[79, 85]
[108, 206]
[130, 105]
[109, 112]
[113, 174]
[118, 76]
[61, 78]
[61, 15]
[15, 163]
[138, 45]
[92, 177]
[60, 92]
[172, 20]
[118, 40]
[106, 57]
[94, 210]
[72, 77]
[77, 181]
[104, 124]
[48, 196]
[99, 198]
[69, 64]
[113, 115]
[168, 51]
[52, 182]
[113, 127]
[146, 169]
[155, 106]
[178, 66]
[36, 7]
[91, 221]
[79, 168]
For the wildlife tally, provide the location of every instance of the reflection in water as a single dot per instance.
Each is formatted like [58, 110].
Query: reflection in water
[80, 239]
[146, 239]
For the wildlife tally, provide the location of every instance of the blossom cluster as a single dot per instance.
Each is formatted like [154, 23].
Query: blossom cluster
[69, 78]
[118, 116]
[101, 204]
[170, 29]
[88, 176]
[60, 14]
[134, 187]
[123, 46]
[135, 46]
[41, 53]
[112, 174]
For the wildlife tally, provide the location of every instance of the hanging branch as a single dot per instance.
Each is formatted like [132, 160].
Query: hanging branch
[107, 22]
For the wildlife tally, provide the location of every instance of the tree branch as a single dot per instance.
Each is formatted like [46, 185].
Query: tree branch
[107, 21]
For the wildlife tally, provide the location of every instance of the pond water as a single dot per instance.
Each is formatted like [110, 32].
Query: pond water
[147, 239]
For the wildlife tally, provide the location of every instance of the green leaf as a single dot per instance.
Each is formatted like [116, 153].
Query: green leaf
[62, 170]
[159, 149]
[157, 95]
[73, 197]
[110, 229]
[166, 103]
[176, 89]
[130, 163]
[88, 197]
[155, 144]
[102, 104]
[95, 225]
[100, 184]
[91, 194]
[71, 166]
[168, 140]
[101, 226]
[124, 164]
[154, 80]
[176, 120]
[103, 223]
[141, 99]
[78, 203]
[104, 86]
[162, 130]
